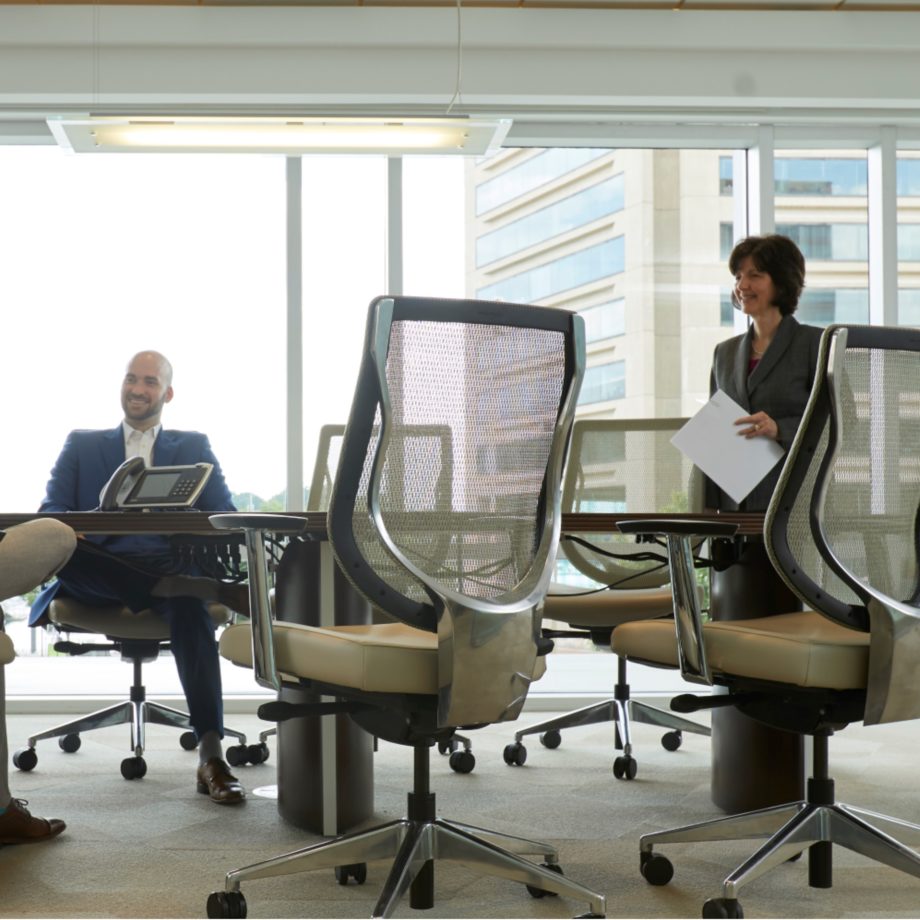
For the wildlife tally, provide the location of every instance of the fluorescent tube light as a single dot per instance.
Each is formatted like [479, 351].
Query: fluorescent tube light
[286, 135]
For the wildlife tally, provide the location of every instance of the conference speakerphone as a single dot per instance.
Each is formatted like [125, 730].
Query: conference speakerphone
[136, 486]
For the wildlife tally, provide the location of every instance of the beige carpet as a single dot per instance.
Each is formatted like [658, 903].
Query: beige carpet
[155, 848]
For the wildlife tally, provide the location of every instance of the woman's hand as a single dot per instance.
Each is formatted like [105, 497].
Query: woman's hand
[760, 425]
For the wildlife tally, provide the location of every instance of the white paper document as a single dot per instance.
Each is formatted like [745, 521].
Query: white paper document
[711, 440]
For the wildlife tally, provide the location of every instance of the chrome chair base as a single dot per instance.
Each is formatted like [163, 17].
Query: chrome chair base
[411, 844]
[137, 714]
[622, 713]
[793, 828]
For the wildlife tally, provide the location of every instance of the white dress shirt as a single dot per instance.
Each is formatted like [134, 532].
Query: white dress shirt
[140, 443]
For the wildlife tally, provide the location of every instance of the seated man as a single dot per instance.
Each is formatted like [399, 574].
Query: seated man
[143, 572]
[29, 554]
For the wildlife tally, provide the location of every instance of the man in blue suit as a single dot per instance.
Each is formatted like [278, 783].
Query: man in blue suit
[142, 571]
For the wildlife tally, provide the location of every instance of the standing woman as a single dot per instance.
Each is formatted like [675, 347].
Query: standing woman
[769, 370]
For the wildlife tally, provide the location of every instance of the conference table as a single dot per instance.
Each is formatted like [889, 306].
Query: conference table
[752, 765]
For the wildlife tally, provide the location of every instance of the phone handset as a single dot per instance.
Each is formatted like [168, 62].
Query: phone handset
[120, 483]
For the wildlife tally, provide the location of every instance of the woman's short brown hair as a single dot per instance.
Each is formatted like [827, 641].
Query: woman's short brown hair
[781, 259]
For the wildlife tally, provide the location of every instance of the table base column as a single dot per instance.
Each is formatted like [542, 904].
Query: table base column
[753, 765]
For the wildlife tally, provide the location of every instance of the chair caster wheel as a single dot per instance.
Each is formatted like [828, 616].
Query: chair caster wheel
[515, 754]
[655, 868]
[25, 759]
[69, 744]
[445, 747]
[671, 741]
[723, 907]
[462, 761]
[237, 755]
[188, 741]
[357, 871]
[229, 904]
[625, 767]
[551, 739]
[257, 753]
[134, 768]
[540, 892]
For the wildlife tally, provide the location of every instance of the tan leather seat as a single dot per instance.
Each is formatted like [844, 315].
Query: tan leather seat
[607, 608]
[382, 658]
[805, 649]
[119, 622]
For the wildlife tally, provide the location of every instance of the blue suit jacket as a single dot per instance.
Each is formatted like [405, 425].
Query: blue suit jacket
[87, 461]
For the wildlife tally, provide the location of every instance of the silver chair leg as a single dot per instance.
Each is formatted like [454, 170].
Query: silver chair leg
[119, 714]
[894, 827]
[796, 835]
[476, 853]
[594, 714]
[410, 844]
[651, 715]
[751, 824]
[414, 851]
[849, 828]
[360, 846]
[522, 846]
[159, 714]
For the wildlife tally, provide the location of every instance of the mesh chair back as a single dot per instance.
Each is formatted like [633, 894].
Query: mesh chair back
[623, 465]
[447, 492]
[842, 528]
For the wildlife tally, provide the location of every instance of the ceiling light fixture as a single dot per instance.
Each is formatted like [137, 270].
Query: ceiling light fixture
[286, 135]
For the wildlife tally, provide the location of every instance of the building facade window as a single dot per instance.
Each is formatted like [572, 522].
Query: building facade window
[909, 307]
[600, 200]
[603, 382]
[562, 274]
[605, 321]
[531, 174]
[842, 305]
[820, 176]
[829, 242]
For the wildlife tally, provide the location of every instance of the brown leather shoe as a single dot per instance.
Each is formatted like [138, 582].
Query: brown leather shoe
[18, 826]
[216, 780]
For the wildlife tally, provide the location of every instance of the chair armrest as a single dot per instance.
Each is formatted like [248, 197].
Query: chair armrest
[688, 618]
[275, 523]
[697, 527]
[255, 527]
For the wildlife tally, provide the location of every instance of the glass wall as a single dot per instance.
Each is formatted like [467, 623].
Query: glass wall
[186, 254]
[908, 192]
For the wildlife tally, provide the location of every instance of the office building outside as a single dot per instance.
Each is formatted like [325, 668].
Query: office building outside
[637, 241]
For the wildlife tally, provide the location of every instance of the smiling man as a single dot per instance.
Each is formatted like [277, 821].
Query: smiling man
[141, 571]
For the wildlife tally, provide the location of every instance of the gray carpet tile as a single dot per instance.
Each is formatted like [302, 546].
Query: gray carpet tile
[156, 848]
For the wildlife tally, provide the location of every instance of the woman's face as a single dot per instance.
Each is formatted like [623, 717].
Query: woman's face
[754, 289]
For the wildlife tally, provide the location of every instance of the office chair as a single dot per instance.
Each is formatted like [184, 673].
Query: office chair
[614, 465]
[842, 532]
[138, 638]
[462, 569]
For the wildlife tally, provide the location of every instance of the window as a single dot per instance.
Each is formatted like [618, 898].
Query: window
[563, 274]
[833, 242]
[533, 173]
[821, 176]
[605, 321]
[908, 166]
[820, 307]
[603, 383]
[579, 209]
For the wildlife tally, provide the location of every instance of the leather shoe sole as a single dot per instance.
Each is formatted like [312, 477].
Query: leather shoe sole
[216, 781]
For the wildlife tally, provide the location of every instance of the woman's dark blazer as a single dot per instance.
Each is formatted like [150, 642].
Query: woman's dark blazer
[780, 386]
